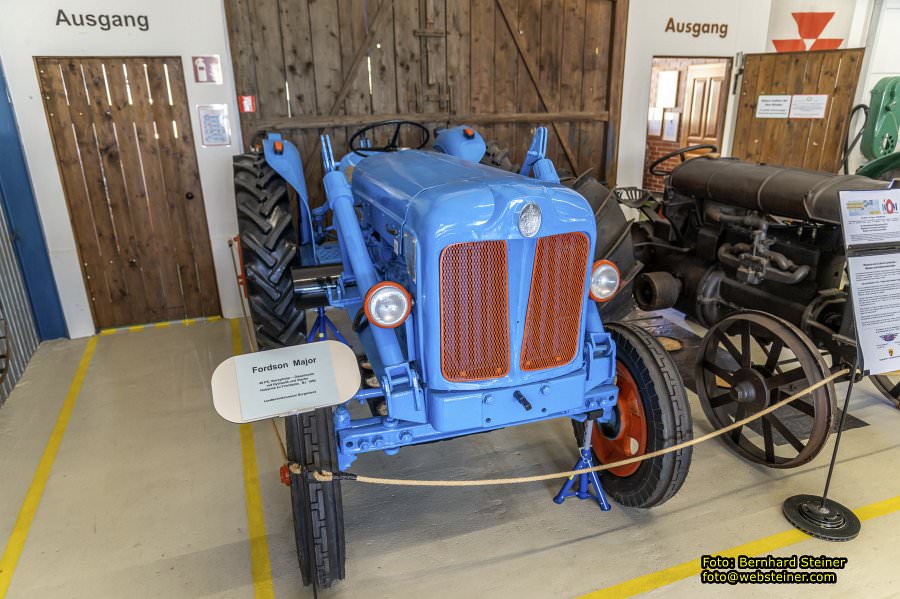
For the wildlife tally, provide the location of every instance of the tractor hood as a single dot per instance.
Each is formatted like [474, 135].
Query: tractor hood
[450, 199]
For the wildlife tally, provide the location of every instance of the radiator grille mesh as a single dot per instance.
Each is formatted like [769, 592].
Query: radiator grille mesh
[553, 320]
[474, 311]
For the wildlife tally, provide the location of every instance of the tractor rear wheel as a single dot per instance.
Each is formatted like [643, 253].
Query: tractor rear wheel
[317, 507]
[613, 242]
[613, 228]
[652, 413]
[888, 384]
[498, 156]
[268, 250]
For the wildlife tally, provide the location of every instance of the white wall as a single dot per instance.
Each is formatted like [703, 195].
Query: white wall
[176, 28]
[747, 22]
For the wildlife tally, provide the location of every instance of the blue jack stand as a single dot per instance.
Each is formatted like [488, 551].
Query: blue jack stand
[321, 327]
[585, 479]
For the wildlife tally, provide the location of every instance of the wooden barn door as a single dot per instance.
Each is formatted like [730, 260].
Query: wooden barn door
[814, 143]
[504, 66]
[125, 149]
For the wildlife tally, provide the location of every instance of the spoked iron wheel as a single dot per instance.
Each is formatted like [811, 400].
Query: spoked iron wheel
[751, 360]
[888, 384]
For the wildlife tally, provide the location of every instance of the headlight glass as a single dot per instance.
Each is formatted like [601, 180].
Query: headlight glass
[387, 305]
[530, 220]
[604, 280]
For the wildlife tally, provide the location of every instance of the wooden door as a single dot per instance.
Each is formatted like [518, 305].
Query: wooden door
[814, 143]
[124, 146]
[331, 66]
[704, 106]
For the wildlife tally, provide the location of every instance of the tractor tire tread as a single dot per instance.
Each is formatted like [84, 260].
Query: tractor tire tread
[269, 248]
[311, 444]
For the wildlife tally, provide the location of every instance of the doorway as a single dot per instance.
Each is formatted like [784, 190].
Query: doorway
[124, 146]
[688, 99]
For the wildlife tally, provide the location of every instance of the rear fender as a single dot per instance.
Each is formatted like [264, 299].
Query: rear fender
[289, 165]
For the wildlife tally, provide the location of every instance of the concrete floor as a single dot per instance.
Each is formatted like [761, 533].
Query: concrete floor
[146, 498]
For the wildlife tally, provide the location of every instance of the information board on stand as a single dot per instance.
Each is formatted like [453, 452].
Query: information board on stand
[285, 381]
[871, 226]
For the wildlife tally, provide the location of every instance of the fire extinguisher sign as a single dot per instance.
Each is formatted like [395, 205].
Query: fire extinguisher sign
[247, 103]
[207, 69]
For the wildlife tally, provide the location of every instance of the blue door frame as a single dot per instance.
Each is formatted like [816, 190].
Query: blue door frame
[17, 201]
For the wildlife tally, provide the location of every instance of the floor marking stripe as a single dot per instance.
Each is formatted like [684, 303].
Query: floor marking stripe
[256, 524]
[661, 578]
[186, 322]
[19, 535]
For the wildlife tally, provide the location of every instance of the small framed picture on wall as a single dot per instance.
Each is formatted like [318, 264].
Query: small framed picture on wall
[654, 121]
[667, 89]
[670, 124]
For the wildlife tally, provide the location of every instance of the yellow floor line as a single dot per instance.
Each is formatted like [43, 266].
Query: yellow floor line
[158, 325]
[661, 578]
[256, 524]
[17, 538]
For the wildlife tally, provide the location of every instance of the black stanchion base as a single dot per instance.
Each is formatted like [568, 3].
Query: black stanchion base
[831, 522]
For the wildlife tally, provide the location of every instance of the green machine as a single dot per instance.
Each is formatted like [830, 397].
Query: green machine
[879, 133]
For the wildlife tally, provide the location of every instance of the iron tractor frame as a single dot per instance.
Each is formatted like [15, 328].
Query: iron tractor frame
[755, 254]
[472, 290]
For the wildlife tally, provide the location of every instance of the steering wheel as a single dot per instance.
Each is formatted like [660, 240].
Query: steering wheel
[679, 152]
[393, 145]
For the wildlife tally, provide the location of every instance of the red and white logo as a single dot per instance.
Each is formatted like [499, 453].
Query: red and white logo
[889, 207]
[810, 27]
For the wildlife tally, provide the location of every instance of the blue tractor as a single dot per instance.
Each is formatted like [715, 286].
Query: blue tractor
[476, 293]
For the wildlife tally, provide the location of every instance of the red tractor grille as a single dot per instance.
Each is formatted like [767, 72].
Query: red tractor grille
[553, 320]
[474, 311]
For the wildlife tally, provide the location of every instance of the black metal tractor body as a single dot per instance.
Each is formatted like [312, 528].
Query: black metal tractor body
[755, 253]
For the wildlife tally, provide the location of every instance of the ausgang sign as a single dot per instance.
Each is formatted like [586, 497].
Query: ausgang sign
[696, 29]
[285, 381]
[103, 22]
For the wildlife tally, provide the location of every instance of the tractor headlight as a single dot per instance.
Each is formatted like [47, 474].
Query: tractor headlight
[530, 220]
[604, 281]
[387, 305]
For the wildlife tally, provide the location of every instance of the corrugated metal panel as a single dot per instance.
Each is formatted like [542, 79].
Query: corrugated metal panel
[16, 310]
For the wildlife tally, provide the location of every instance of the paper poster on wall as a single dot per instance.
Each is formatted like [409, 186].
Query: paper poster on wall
[207, 69]
[654, 121]
[214, 127]
[670, 125]
[808, 106]
[773, 107]
[666, 89]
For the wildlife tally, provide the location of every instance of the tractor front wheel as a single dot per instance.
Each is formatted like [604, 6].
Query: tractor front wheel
[652, 413]
[317, 507]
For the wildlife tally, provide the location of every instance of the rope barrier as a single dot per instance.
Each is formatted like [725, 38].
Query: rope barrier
[327, 476]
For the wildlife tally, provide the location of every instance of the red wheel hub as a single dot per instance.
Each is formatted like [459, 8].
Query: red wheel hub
[630, 436]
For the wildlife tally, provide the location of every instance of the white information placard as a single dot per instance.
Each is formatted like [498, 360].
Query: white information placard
[285, 381]
[773, 107]
[871, 217]
[215, 130]
[875, 281]
[808, 106]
